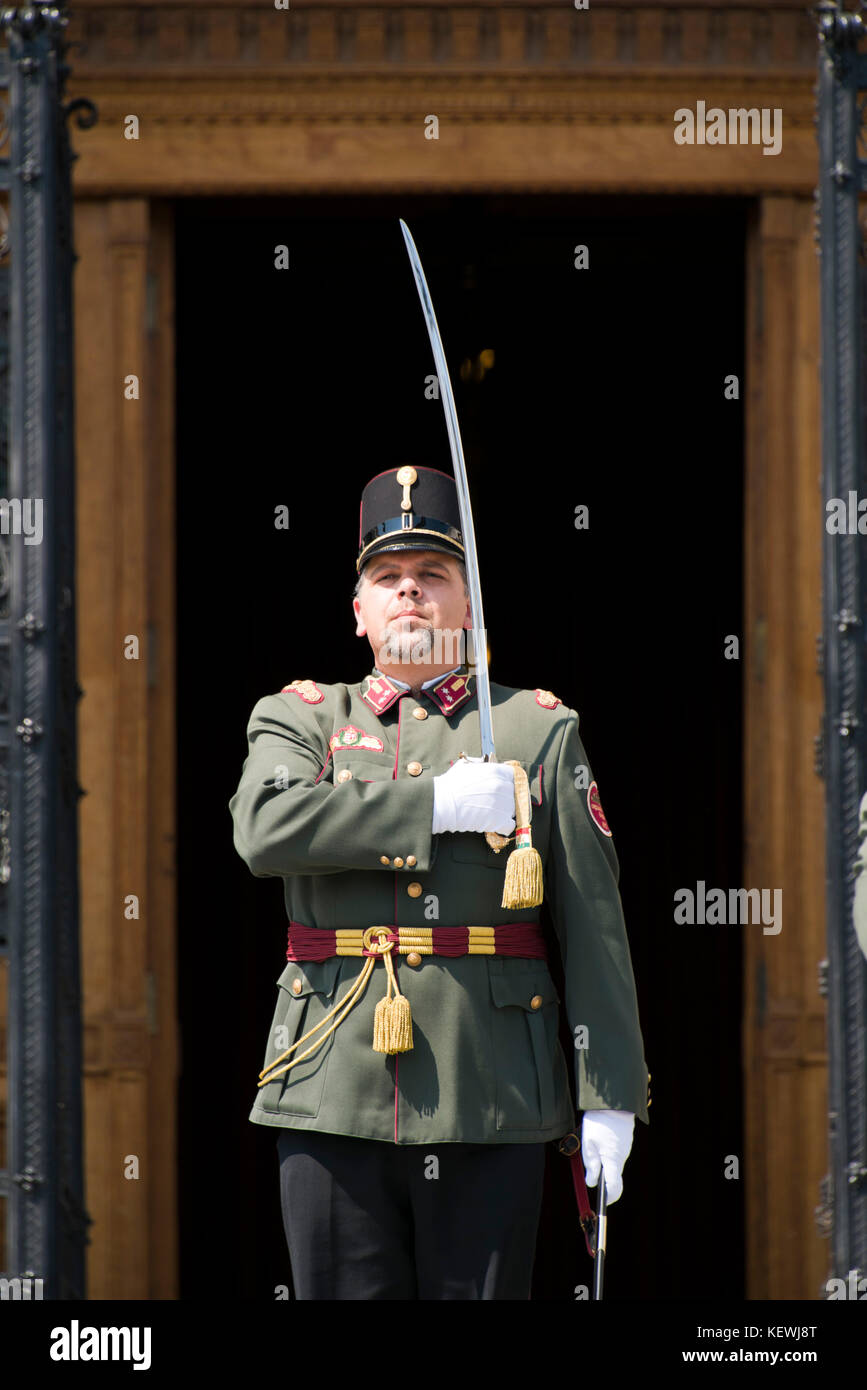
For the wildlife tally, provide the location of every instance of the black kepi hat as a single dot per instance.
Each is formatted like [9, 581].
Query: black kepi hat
[409, 509]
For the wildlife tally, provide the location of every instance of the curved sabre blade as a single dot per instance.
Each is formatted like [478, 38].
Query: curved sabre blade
[460, 472]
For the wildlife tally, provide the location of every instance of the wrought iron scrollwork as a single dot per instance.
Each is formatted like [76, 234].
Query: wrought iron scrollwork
[86, 114]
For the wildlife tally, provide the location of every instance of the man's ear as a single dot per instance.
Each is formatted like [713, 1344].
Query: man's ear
[360, 629]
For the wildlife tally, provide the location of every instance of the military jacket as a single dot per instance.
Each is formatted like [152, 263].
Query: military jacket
[336, 798]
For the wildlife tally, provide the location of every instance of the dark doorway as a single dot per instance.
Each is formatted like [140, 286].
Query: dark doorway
[607, 390]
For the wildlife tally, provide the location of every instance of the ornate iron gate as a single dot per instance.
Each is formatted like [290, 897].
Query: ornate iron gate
[41, 1173]
[842, 176]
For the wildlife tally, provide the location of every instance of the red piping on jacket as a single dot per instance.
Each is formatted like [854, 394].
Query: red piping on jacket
[394, 775]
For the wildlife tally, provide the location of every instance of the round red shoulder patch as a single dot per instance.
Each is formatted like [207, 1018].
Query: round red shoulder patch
[594, 806]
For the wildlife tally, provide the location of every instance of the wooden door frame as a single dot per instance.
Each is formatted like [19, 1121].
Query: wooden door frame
[209, 128]
[784, 1048]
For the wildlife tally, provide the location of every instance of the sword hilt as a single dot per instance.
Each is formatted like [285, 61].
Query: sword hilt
[497, 842]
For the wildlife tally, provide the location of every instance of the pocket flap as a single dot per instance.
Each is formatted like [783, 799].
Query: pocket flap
[364, 765]
[316, 976]
[520, 990]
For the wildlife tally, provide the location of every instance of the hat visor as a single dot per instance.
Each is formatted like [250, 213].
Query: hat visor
[427, 542]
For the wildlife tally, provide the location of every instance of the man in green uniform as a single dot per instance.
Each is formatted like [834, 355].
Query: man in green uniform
[413, 1168]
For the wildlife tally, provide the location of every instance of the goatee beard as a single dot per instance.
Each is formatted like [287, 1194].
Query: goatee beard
[405, 648]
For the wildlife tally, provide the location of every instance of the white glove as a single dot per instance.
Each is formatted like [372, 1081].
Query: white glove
[474, 795]
[606, 1139]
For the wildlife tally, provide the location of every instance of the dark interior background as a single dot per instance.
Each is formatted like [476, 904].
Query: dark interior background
[296, 387]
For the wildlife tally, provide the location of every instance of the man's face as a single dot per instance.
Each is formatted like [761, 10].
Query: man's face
[426, 583]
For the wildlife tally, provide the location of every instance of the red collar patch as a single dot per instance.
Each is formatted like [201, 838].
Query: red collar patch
[452, 691]
[379, 693]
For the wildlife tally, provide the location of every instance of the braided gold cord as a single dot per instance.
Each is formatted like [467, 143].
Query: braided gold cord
[522, 795]
[392, 1030]
[349, 999]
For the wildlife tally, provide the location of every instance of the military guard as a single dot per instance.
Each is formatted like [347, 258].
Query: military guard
[413, 1067]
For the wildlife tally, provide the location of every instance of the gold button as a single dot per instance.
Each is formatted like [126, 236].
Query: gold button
[384, 859]
[398, 862]
[413, 769]
[344, 775]
[419, 714]
[536, 1001]
[413, 958]
[414, 890]
[297, 986]
[410, 860]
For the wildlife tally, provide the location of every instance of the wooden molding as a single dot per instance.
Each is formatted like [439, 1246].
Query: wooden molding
[245, 99]
[205, 35]
[203, 137]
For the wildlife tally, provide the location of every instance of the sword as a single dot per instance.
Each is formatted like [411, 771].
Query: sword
[601, 1232]
[467, 529]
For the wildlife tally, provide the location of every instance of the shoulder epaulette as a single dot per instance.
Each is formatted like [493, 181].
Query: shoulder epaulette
[547, 700]
[308, 690]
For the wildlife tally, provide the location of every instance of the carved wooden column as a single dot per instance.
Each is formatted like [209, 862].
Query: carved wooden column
[125, 511]
[785, 1060]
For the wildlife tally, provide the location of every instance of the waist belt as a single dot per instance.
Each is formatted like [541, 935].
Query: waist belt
[513, 939]
[392, 1020]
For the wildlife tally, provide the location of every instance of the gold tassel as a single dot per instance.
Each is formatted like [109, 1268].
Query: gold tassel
[392, 1018]
[381, 1031]
[401, 1024]
[523, 886]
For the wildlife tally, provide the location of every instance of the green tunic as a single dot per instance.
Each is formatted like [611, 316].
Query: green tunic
[338, 779]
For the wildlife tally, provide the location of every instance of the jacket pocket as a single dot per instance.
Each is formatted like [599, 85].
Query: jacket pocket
[527, 1053]
[299, 1090]
[364, 765]
[470, 847]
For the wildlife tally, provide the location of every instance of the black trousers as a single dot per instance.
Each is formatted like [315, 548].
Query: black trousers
[366, 1219]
